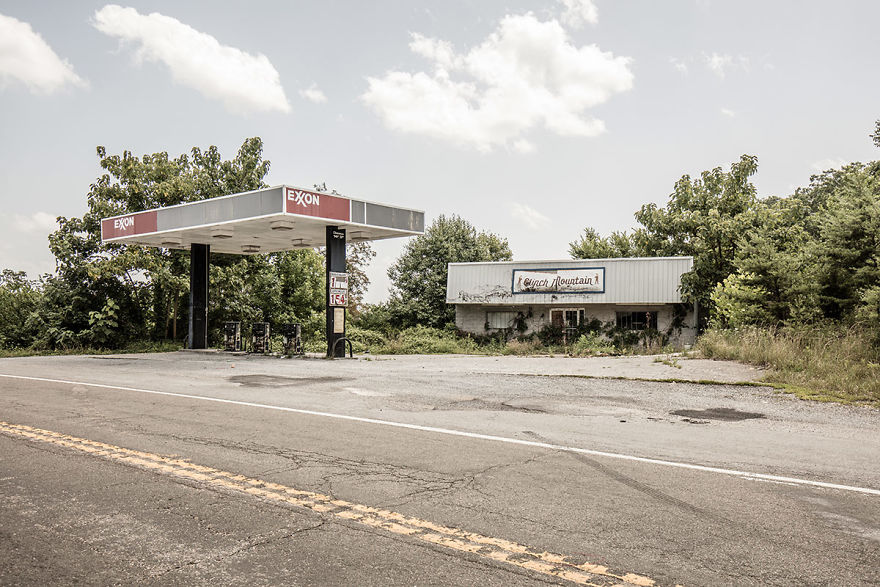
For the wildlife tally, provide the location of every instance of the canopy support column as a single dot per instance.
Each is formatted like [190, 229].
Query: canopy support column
[200, 262]
[335, 314]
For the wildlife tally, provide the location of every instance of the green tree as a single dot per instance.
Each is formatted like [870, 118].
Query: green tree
[738, 302]
[775, 280]
[813, 255]
[703, 218]
[19, 298]
[592, 246]
[357, 257]
[418, 277]
[849, 241]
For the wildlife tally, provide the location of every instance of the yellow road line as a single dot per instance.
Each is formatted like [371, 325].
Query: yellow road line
[495, 549]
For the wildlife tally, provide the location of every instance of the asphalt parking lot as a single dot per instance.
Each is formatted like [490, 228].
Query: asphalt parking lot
[203, 467]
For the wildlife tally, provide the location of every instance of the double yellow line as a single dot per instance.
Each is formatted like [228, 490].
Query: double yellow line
[487, 547]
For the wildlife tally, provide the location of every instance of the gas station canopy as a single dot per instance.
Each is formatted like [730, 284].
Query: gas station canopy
[268, 220]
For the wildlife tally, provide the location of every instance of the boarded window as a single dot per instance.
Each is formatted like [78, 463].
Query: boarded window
[637, 320]
[500, 320]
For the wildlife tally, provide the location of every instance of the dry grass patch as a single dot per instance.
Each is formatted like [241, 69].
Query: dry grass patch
[818, 363]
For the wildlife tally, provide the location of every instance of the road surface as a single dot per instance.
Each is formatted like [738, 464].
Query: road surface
[211, 468]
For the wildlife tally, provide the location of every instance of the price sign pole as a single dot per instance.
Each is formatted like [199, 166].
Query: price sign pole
[337, 291]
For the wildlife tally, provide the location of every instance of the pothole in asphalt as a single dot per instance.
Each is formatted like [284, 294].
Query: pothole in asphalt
[723, 414]
[280, 381]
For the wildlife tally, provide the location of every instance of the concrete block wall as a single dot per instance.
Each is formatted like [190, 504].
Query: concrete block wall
[472, 317]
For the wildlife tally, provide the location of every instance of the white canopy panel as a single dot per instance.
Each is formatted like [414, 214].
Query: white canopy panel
[269, 220]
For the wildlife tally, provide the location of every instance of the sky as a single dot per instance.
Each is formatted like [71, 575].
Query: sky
[532, 120]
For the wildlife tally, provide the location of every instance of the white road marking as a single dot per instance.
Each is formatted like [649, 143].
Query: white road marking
[476, 435]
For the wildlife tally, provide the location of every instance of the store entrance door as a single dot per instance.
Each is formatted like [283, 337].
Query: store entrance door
[568, 319]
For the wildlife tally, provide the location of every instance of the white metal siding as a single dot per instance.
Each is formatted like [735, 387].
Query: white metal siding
[627, 281]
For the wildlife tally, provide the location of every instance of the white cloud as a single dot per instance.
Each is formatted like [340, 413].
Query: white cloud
[830, 163]
[26, 58]
[579, 12]
[313, 94]
[717, 63]
[441, 52]
[679, 65]
[529, 216]
[526, 74]
[728, 112]
[720, 63]
[38, 223]
[243, 82]
[523, 146]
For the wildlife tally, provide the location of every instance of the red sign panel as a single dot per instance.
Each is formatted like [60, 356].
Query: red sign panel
[338, 297]
[139, 223]
[317, 204]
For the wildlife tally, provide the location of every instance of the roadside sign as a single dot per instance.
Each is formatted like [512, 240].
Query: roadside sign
[338, 320]
[338, 281]
[338, 297]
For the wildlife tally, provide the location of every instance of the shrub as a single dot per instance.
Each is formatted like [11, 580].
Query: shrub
[528, 345]
[427, 340]
[364, 339]
[592, 344]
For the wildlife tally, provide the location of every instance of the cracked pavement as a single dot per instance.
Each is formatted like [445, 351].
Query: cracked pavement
[68, 517]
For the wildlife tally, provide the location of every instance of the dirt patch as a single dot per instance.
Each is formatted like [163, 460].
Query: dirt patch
[280, 381]
[478, 404]
[619, 400]
[723, 414]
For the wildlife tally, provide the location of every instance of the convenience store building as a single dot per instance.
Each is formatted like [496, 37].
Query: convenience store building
[632, 293]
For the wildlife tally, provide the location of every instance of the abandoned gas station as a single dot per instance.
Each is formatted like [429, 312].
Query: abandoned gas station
[269, 220]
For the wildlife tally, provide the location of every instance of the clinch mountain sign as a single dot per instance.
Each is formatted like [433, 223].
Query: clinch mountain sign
[581, 280]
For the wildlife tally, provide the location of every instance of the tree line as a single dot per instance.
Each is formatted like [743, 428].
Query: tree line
[779, 261]
[811, 256]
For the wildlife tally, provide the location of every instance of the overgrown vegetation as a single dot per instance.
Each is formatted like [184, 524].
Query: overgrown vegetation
[789, 283]
[447, 340]
[143, 347]
[821, 362]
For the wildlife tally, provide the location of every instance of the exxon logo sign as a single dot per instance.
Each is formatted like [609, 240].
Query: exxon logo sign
[123, 223]
[302, 198]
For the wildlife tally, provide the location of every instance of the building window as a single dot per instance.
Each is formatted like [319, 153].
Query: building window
[637, 320]
[500, 320]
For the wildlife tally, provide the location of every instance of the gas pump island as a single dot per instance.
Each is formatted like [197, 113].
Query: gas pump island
[269, 220]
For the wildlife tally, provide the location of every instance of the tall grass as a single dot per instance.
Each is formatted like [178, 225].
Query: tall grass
[824, 363]
[165, 346]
